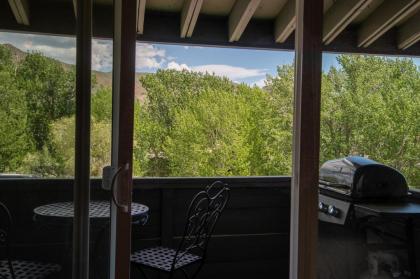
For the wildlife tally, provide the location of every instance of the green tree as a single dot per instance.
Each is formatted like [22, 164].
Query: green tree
[371, 107]
[271, 134]
[14, 142]
[168, 91]
[209, 136]
[49, 91]
[61, 162]
[102, 104]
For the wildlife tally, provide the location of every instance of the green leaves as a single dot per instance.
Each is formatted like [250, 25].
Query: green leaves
[371, 106]
[14, 141]
[49, 92]
[194, 124]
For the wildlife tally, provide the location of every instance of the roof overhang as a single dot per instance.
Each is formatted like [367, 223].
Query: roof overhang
[390, 29]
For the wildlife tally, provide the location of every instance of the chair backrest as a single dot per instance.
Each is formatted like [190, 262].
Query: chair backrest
[202, 215]
[6, 224]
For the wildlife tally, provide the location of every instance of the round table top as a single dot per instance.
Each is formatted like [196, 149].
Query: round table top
[97, 209]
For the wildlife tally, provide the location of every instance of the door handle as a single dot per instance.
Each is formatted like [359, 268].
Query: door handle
[123, 207]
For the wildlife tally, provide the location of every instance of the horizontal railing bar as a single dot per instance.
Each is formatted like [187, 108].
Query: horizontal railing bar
[169, 182]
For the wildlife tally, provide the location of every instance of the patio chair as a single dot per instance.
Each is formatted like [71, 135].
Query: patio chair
[202, 216]
[18, 269]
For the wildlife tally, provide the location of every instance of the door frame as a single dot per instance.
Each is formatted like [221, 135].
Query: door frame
[123, 90]
[81, 196]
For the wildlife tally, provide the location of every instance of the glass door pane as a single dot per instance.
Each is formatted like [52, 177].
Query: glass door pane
[37, 93]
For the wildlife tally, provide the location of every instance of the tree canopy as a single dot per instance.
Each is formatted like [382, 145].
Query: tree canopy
[195, 124]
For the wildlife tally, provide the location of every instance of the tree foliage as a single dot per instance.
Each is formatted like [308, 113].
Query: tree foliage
[14, 141]
[371, 107]
[49, 92]
[195, 124]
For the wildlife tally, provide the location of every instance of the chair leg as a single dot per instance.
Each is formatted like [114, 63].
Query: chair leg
[185, 273]
[12, 271]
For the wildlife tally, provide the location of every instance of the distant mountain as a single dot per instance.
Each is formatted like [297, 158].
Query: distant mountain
[17, 54]
[103, 79]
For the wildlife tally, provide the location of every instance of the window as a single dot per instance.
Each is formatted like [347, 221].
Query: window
[203, 111]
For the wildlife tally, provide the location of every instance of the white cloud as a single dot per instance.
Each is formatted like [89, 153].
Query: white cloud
[66, 55]
[149, 56]
[260, 83]
[231, 72]
[179, 67]
[101, 55]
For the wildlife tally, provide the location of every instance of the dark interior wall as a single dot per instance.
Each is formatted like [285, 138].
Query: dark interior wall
[250, 241]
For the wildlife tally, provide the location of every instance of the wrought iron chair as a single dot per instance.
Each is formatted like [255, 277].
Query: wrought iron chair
[18, 269]
[202, 216]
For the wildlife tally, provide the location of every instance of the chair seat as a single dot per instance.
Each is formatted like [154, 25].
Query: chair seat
[161, 258]
[28, 269]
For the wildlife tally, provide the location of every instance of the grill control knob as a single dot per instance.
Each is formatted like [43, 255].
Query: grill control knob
[323, 207]
[333, 211]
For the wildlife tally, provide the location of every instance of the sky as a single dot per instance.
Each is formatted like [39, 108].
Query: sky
[240, 65]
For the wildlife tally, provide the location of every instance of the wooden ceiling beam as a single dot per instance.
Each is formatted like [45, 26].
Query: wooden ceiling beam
[141, 10]
[20, 9]
[285, 22]
[240, 16]
[339, 16]
[189, 16]
[409, 33]
[389, 14]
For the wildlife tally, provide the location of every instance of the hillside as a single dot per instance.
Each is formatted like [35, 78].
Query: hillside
[103, 79]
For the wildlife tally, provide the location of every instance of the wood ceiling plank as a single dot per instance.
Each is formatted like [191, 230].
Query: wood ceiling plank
[285, 22]
[389, 14]
[340, 15]
[240, 16]
[141, 10]
[20, 9]
[409, 33]
[189, 17]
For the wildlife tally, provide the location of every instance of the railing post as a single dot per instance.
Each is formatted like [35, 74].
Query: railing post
[82, 145]
[306, 126]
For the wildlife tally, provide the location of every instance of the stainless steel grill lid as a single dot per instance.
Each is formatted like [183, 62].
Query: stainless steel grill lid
[360, 177]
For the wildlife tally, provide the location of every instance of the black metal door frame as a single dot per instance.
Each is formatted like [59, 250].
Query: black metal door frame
[82, 141]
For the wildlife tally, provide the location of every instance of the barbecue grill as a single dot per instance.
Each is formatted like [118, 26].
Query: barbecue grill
[366, 228]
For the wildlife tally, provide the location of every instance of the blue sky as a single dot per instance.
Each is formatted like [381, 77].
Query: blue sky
[263, 61]
[240, 65]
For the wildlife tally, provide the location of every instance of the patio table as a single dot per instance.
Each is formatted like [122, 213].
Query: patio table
[98, 211]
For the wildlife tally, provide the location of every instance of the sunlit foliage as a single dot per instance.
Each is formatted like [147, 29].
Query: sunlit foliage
[194, 124]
